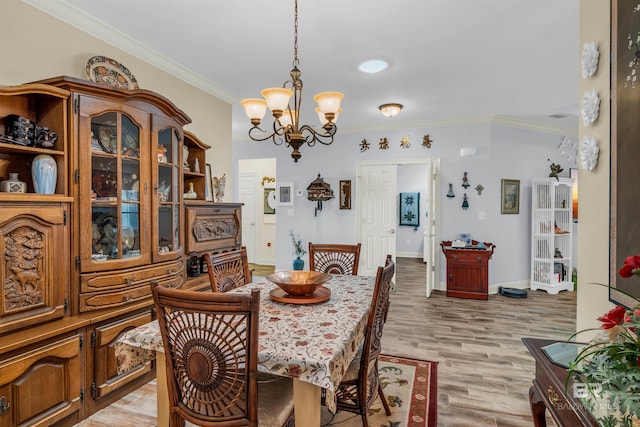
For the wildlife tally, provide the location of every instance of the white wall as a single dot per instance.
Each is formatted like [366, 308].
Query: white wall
[60, 49]
[503, 152]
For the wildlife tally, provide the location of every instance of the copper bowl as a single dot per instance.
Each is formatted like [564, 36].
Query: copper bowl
[298, 282]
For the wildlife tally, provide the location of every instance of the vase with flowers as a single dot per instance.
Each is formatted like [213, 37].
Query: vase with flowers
[607, 369]
[298, 251]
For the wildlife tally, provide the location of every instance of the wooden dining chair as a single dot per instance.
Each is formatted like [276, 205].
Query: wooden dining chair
[334, 258]
[361, 383]
[228, 270]
[210, 343]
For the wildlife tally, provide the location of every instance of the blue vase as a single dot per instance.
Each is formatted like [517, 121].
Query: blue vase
[43, 171]
[298, 264]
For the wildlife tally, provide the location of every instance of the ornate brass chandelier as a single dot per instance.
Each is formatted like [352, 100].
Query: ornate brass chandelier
[286, 126]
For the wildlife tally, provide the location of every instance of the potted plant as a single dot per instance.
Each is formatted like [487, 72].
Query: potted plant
[298, 251]
[608, 368]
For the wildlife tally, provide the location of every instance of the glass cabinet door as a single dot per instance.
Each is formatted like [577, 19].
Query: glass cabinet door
[114, 204]
[167, 235]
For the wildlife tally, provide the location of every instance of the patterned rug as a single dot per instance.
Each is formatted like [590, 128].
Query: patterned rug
[411, 388]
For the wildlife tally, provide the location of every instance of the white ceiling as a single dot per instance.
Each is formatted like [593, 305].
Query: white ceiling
[450, 59]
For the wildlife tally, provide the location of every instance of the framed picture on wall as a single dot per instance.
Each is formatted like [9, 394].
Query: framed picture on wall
[510, 196]
[208, 184]
[269, 201]
[284, 193]
[345, 194]
[573, 174]
[625, 103]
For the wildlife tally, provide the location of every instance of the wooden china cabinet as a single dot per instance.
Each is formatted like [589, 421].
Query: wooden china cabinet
[77, 264]
[128, 219]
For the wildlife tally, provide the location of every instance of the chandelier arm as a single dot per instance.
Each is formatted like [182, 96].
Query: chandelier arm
[311, 136]
[257, 137]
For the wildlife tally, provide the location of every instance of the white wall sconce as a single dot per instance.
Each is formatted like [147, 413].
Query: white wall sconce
[468, 151]
[390, 110]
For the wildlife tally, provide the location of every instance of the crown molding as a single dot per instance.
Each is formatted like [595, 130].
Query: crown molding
[470, 121]
[73, 16]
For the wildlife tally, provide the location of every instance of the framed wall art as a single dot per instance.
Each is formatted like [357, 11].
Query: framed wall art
[284, 193]
[625, 127]
[269, 201]
[410, 209]
[573, 174]
[510, 196]
[208, 184]
[345, 194]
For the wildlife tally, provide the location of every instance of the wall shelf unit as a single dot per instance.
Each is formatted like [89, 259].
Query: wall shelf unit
[551, 235]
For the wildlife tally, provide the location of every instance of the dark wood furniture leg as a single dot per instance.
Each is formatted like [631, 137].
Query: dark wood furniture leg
[537, 408]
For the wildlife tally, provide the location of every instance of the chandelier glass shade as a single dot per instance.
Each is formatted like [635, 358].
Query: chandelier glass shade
[284, 103]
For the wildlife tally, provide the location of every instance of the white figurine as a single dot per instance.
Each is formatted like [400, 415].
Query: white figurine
[218, 186]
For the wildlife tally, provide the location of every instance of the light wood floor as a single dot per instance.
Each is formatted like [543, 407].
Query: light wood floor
[484, 370]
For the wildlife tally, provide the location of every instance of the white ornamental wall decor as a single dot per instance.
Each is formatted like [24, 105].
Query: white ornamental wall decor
[568, 148]
[589, 60]
[590, 107]
[589, 151]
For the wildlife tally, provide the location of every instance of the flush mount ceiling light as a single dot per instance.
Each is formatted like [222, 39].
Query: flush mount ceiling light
[390, 110]
[286, 126]
[372, 66]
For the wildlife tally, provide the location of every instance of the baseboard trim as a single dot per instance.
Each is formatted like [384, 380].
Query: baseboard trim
[493, 287]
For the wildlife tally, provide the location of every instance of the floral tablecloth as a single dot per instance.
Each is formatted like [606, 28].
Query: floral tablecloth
[313, 343]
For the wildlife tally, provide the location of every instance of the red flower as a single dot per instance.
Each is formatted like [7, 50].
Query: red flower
[631, 266]
[614, 317]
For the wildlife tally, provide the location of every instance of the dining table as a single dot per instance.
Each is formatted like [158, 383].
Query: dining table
[312, 343]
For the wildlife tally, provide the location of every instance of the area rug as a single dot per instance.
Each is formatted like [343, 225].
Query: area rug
[411, 388]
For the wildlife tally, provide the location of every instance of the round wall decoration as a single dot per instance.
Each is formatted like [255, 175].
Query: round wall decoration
[110, 72]
[589, 151]
[589, 60]
[590, 107]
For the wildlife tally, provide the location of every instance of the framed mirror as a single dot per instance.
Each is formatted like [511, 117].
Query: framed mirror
[625, 150]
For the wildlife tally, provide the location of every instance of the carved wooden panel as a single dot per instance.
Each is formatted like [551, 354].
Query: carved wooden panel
[213, 227]
[34, 262]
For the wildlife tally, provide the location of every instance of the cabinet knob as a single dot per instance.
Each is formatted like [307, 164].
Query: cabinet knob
[126, 298]
[171, 270]
[4, 405]
[451, 277]
[130, 280]
[455, 257]
[171, 285]
[479, 259]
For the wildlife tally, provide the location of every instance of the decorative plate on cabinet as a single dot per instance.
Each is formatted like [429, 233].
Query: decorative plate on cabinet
[110, 72]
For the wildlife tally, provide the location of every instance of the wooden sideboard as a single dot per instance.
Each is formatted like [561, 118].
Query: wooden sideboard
[548, 391]
[467, 270]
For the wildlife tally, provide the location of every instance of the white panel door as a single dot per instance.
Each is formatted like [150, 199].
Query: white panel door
[248, 183]
[378, 215]
[433, 230]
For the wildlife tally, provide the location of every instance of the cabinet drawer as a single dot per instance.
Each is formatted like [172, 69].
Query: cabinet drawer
[56, 367]
[468, 258]
[113, 299]
[129, 278]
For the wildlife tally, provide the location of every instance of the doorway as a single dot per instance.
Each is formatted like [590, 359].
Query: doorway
[257, 177]
[377, 199]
